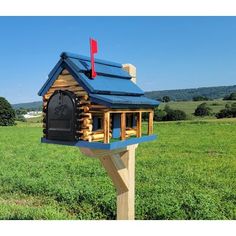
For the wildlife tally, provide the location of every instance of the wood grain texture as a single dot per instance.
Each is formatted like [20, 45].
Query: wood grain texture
[139, 124]
[150, 122]
[117, 172]
[123, 126]
[126, 199]
[65, 72]
[130, 132]
[120, 166]
[66, 82]
[129, 110]
[106, 127]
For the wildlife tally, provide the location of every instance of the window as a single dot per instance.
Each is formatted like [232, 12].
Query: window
[97, 122]
[130, 120]
[100, 123]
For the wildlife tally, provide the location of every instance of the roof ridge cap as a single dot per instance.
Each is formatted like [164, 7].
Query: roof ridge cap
[65, 55]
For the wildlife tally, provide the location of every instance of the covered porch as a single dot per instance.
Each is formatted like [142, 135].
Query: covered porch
[120, 124]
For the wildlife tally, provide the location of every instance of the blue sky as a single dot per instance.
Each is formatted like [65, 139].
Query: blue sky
[169, 52]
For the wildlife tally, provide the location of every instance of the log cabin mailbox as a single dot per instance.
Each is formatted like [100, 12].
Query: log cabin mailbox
[102, 116]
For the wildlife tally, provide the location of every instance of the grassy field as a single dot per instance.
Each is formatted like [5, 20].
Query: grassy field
[190, 106]
[188, 173]
[187, 106]
[35, 119]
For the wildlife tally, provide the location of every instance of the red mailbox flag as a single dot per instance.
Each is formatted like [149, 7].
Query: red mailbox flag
[93, 50]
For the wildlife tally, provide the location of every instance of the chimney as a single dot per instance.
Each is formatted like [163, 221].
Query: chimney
[131, 69]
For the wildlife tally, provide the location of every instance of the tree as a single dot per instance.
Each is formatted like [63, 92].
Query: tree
[172, 114]
[175, 115]
[7, 114]
[228, 112]
[226, 97]
[202, 110]
[168, 114]
[167, 108]
[20, 114]
[200, 98]
[233, 109]
[224, 113]
[232, 96]
[20, 111]
[159, 114]
[166, 99]
[20, 118]
[227, 105]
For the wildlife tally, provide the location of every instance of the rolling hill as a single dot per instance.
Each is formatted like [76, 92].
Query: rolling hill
[28, 105]
[188, 94]
[175, 95]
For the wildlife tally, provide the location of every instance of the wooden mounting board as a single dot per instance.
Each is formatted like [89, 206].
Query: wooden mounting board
[120, 166]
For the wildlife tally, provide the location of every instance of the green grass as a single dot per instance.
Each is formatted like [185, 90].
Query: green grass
[188, 173]
[35, 119]
[190, 106]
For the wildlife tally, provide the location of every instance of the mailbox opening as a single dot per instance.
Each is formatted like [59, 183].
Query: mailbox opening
[61, 116]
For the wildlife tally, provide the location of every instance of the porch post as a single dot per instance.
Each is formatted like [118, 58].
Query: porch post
[123, 126]
[106, 127]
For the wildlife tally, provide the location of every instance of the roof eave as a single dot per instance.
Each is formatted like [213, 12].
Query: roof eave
[120, 105]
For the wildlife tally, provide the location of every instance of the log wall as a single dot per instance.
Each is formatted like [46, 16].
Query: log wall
[86, 110]
[66, 82]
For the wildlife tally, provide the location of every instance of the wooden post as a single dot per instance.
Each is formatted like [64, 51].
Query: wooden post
[126, 199]
[123, 126]
[106, 127]
[150, 122]
[117, 172]
[120, 166]
[139, 124]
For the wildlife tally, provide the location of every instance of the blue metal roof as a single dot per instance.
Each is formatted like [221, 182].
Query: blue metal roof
[65, 55]
[102, 67]
[118, 101]
[112, 84]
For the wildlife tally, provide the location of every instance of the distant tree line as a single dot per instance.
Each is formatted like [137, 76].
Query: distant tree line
[188, 94]
[200, 98]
